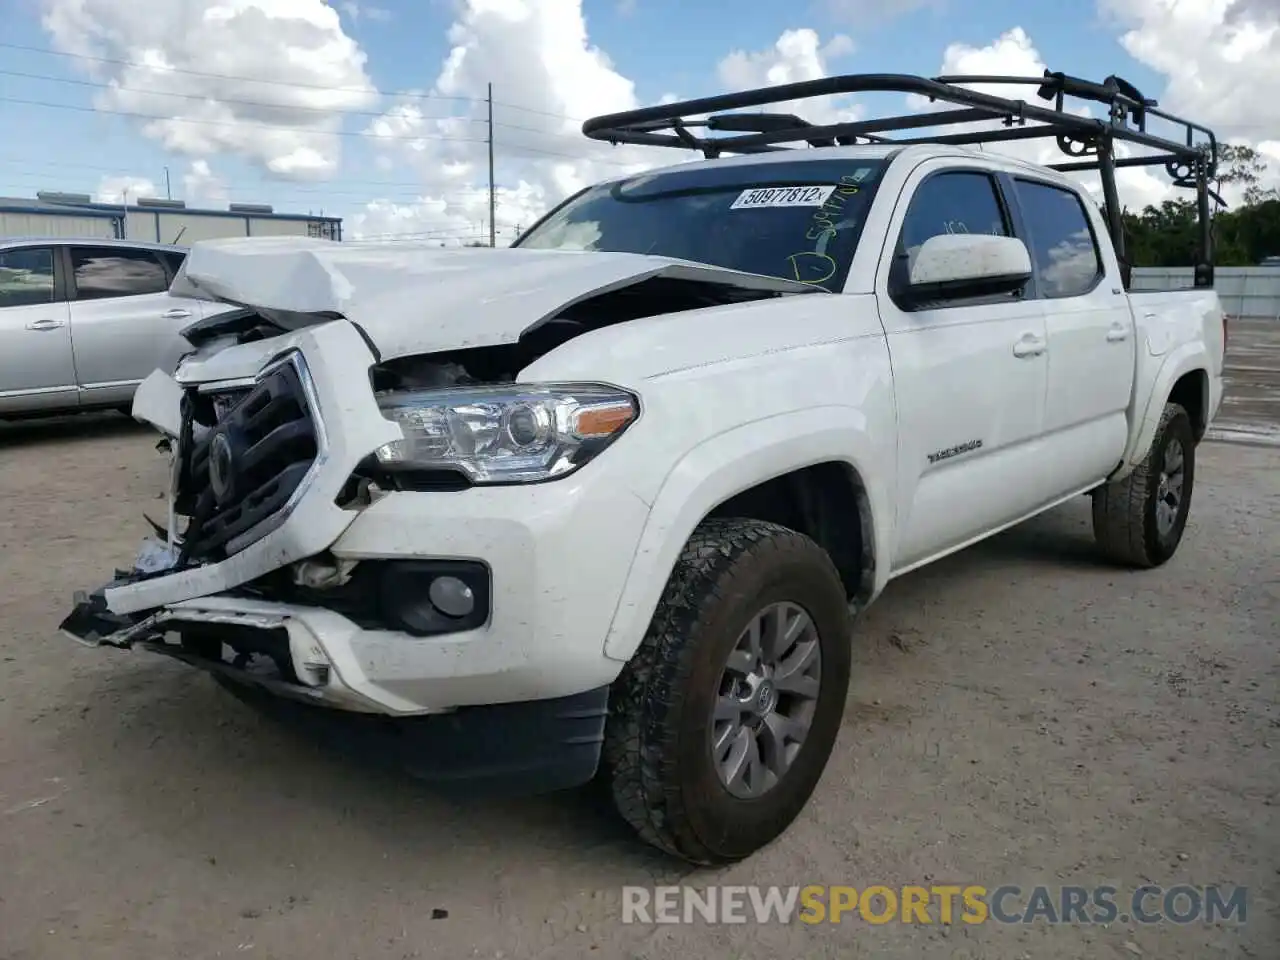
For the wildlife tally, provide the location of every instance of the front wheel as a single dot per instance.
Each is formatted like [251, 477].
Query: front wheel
[722, 723]
[1139, 521]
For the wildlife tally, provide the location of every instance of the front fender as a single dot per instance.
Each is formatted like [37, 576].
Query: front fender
[1186, 359]
[736, 460]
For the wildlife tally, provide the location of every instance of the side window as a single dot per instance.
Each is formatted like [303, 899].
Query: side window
[116, 272]
[26, 277]
[1062, 244]
[174, 262]
[959, 202]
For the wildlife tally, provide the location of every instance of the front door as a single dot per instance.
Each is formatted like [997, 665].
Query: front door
[124, 322]
[969, 377]
[36, 367]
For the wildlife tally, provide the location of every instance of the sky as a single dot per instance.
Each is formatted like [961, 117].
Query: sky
[375, 110]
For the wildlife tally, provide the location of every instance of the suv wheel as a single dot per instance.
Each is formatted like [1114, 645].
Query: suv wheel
[722, 723]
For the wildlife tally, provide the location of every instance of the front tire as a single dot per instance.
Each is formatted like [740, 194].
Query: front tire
[1139, 521]
[722, 723]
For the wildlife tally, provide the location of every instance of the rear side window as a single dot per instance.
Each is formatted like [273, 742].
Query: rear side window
[116, 272]
[174, 262]
[26, 277]
[1062, 243]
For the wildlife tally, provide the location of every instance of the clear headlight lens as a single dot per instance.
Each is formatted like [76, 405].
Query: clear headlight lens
[517, 433]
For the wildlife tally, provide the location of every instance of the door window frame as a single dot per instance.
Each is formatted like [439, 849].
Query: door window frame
[60, 292]
[73, 293]
[1014, 222]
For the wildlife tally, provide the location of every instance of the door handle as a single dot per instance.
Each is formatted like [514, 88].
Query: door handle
[176, 314]
[1117, 333]
[48, 323]
[1029, 346]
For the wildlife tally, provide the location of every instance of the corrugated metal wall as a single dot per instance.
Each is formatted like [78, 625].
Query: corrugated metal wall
[267, 227]
[57, 225]
[186, 229]
[1244, 291]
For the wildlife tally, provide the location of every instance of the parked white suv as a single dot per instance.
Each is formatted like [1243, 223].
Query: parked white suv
[607, 501]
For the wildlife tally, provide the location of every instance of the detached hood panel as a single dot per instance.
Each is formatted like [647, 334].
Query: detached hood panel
[414, 299]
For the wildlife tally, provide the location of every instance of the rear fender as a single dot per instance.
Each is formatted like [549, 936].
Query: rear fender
[1186, 359]
[725, 465]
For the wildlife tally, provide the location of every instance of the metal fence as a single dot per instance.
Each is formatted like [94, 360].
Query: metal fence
[1252, 292]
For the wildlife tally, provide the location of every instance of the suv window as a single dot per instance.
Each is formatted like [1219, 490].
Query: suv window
[116, 272]
[26, 277]
[174, 262]
[1062, 244]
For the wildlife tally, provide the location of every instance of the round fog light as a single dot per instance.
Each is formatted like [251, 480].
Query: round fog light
[451, 596]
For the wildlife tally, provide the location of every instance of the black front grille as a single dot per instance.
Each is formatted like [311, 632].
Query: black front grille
[266, 443]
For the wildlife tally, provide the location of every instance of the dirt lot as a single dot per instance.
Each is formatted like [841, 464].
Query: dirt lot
[1019, 715]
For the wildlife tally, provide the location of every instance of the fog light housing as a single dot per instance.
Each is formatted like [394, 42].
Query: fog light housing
[432, 597]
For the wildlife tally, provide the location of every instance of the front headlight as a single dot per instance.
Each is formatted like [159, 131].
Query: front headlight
[517, 433]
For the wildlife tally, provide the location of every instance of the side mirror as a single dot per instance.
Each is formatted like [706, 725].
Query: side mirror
[954, 265]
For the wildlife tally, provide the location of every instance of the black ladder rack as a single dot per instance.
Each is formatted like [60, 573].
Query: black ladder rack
[1190, 160]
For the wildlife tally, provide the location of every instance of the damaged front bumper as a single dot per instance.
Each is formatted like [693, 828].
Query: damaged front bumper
[261, 644]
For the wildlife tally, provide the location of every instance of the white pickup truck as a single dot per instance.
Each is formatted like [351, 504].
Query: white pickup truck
[610, 501]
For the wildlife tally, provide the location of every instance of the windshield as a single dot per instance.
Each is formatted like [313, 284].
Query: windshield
[798, 220]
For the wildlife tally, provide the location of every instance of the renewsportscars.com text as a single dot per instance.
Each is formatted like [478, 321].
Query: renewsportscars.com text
[935, 904]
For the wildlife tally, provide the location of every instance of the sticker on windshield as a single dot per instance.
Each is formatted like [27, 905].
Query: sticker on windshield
[757, 197]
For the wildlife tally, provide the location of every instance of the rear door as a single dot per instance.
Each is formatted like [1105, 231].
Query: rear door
[1090, 330]
[123, 322]
[969, 376]
[36, 367]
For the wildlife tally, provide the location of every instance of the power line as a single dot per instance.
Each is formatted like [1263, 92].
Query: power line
[394, 94]
[233, 122]
[252, 185]
[519, 147]
[267, 104]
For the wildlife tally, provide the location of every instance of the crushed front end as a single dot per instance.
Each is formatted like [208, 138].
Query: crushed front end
[287, 565]
[254, 483]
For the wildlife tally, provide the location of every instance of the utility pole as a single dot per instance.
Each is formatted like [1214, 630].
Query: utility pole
[493, 232]
[167, 192]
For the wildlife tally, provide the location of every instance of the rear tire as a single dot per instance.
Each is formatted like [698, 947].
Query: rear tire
[1139, 521]
[735, 584]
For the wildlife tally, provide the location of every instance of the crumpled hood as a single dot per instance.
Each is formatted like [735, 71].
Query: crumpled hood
[411, 298]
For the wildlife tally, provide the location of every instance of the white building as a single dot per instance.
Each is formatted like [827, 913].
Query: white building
[160, 221]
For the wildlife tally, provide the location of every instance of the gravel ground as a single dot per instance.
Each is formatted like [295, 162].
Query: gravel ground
[1019, 715]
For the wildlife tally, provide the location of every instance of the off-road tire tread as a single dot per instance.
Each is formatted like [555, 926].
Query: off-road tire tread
[639, 749]
[1120, 508]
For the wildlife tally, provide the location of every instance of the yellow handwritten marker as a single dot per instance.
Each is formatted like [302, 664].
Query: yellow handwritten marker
[812, 267]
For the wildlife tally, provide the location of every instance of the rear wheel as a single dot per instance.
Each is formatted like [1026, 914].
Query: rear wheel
[722, 723]
[1139, 521]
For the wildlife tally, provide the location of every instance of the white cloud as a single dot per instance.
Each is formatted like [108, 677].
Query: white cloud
[547, 77]
[287, 125]
[862, 12]
[124, 189]
[1014, 53]
[202, 187]
[357, 10]
[1220, 60]
[538, 55]
[796, 56]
